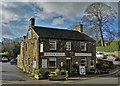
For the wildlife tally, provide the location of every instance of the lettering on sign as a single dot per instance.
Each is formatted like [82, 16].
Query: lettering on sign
[54, 54]
[83, 54]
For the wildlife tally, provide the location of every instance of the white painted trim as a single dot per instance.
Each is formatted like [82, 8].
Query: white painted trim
[53, 54]
[83, 54]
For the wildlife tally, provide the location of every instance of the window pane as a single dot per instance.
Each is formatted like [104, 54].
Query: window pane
[83, 46]
[68, 45]
[52, 45]
[52, 64]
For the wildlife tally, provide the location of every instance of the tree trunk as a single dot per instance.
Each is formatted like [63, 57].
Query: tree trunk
[97, 40]
[101, 37]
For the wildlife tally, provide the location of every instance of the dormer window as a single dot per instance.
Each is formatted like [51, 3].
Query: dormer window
[29, 34]
[83, 46]
[53, 45]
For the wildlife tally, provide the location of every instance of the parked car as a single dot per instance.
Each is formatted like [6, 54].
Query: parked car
[99, 55]
[13, 61]
[105, 57]
[5, 59]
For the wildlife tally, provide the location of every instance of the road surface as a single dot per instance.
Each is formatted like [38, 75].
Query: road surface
[13, 75]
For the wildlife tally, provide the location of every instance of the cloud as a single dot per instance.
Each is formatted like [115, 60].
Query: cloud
[15, 15]
[60, 0]
[6, 31]
[8, 12]
[12, 31]
[67, 10]
[16, 11]
[14, 20]
[58, 21]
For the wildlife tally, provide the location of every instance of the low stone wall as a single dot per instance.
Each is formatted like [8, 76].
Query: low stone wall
[117, 53]
[57, 78]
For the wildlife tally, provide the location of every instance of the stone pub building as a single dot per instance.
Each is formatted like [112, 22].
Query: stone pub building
[48, 48]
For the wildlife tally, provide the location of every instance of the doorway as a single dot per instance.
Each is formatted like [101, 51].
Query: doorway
[68, 64]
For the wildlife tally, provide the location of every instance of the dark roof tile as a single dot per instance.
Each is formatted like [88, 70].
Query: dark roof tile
[55, 33]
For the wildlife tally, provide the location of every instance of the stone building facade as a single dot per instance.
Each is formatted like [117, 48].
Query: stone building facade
[48, 48]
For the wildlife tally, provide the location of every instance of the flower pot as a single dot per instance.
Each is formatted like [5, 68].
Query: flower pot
[37, 77]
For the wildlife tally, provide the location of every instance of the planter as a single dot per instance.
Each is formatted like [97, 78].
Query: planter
[37, 77]
[57, 78]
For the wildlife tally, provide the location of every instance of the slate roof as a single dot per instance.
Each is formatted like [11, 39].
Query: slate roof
[55, 33]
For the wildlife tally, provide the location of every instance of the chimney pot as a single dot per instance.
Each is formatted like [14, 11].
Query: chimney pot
[79, 27]
[32, 22]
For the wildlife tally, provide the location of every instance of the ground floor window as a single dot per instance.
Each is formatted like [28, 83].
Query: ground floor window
[92, 63]
[83, 61]
[44, 63]
[34, 64]
[52, 62]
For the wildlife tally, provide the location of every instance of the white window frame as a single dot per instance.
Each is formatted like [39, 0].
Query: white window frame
[53, 43]
[29, 34]
[85, 44]
[44, 65]
[90, 63]
[41, 47]
[68, 45]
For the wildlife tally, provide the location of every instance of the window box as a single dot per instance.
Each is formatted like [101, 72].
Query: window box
[55, 77]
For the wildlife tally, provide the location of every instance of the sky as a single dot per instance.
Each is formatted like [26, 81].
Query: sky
[15, 15]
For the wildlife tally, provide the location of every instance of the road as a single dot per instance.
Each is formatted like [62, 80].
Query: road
[13, 75]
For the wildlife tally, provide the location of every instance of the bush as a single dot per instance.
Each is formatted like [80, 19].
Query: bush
[63, 72]
[64, 66]
[57, 72]
[76, 69]
[46, 74]
[37, 71]
[105, 66]
[75, 66]
[114, 46]
[117, 59]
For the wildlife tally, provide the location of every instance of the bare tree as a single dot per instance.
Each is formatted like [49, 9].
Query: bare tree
[99, 17]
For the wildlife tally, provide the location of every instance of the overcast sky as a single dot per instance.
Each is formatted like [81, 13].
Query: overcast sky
[16, 15]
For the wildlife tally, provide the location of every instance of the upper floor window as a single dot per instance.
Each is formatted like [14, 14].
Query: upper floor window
[41, 47]
[68, 45]
[83, 46]
[26, 46]
[29, 34]
[52, 45]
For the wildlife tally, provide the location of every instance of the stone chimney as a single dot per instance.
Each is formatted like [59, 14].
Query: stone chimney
[79, 27]
[32, 22]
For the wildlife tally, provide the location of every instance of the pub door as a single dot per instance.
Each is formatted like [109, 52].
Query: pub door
[68, 64]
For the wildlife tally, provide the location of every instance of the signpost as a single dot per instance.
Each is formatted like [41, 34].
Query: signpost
[82, 70]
